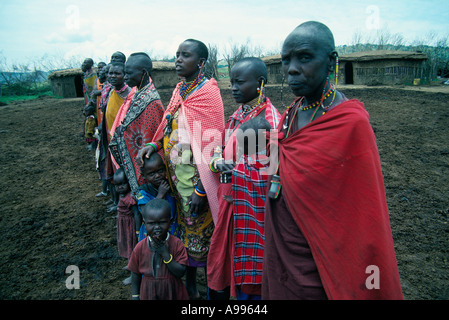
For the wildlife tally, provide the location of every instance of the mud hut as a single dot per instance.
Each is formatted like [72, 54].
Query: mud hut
[274, 68]
[164, 75]
[366, 68]
[381, 67]
[67, 83]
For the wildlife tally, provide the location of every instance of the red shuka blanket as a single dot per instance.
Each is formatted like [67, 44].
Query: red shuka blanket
[333, 184]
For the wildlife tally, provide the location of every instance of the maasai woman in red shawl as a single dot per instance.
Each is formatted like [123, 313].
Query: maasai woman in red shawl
[191, 128]
[137, 119]
[236, 252]
[327, 229]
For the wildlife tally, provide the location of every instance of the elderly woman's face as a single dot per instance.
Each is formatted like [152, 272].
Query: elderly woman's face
[305, 64]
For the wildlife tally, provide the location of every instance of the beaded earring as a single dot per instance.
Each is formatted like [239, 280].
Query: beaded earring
[261, 91]
[201, 66]
[336, 70]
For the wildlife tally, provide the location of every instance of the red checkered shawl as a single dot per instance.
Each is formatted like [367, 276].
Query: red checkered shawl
[220, 264]
[248, 191]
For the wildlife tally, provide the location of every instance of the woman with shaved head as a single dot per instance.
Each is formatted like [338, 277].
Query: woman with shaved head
[327, 229]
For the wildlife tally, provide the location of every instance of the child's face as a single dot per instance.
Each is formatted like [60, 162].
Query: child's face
[157, 222]
[88, 112]
[154, 171]
[244, 83]
[121, 184]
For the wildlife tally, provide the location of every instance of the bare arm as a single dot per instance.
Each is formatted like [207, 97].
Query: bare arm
[136, 279]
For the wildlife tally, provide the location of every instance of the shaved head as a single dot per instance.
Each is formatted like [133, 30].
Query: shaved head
[141, 60]
[317, 32]
[257, 66]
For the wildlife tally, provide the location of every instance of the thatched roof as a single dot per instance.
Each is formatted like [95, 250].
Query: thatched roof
[157, 65]
[383, 55]
[65, 73]
[365, 56]
[163, 66]
[272, 59]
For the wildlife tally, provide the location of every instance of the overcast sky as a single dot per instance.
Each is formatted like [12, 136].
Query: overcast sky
[88, 28]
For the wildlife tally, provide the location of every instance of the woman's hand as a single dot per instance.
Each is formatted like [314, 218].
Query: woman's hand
[197, 203]
[145, 152]
[223, 165]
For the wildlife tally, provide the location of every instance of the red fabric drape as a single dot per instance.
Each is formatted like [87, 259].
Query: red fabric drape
[333, 184]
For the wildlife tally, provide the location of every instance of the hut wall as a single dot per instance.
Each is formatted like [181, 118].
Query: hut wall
[67, 86]
[164, 78]
[378, 72]
[274, 73]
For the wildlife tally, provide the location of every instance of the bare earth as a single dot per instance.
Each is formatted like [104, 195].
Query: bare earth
[50, 218]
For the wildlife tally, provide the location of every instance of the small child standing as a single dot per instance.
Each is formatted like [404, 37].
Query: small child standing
[159, 261]
[127, 215]
[89, 126]
[155, 174]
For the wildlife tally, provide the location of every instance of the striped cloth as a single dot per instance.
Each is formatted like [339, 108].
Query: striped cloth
[248, 191]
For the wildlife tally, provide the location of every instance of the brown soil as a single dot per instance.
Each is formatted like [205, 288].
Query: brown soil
[50, 218]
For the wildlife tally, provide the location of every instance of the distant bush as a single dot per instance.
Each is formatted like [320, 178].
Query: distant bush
[26, 89]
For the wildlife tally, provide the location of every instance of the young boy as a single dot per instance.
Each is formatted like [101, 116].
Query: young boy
[155, 173]
[159, 261]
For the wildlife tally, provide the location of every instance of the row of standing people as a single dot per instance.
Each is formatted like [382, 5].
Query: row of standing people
[308, 231]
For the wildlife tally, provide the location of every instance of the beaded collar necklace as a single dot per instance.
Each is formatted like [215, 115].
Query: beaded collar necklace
[184, 90]
[317, 104]
[188, 87]
[251, 106]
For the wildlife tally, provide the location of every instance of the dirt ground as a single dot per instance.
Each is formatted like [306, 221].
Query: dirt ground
[50, 218]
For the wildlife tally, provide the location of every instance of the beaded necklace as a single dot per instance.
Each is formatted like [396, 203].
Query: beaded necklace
[252, 107]
[316, 104]
[184, 90]
[188, 87]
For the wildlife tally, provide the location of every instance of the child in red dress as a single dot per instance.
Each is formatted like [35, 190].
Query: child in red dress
[159, 261]
[128, 214]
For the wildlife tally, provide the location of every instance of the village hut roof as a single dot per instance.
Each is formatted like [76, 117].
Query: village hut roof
[163, 65]
[272, 59]
[65, 73]
[365, 56]
[383, 55]
[157, 65]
